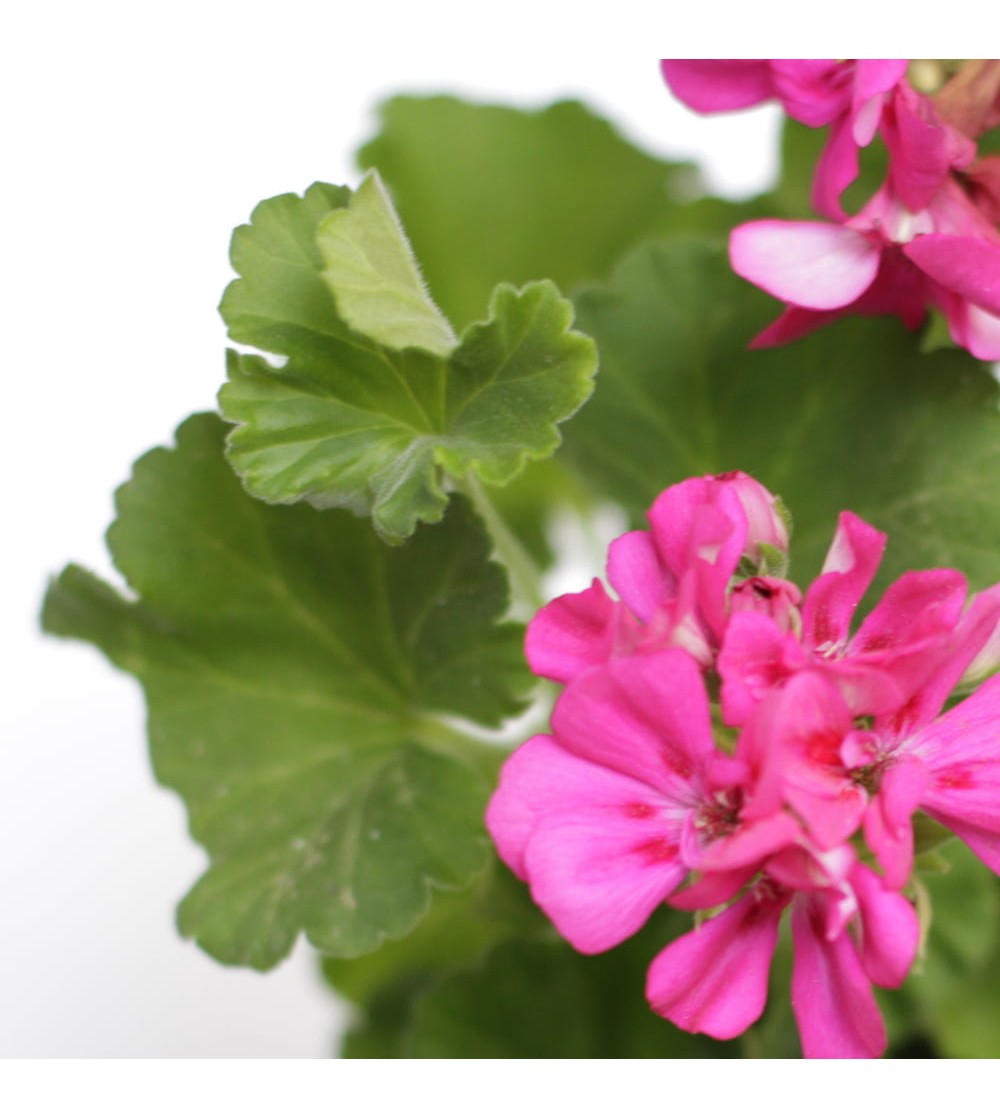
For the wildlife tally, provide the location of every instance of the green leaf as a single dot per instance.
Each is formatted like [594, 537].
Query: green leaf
[539, 998]
[953, 995]
[370, 268]
[281, 303]
[460, 927]
[292, 666]
[491, 194]
[852, 417]
[346, 422]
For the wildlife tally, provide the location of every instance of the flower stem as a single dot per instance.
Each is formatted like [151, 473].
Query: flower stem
[523, 572]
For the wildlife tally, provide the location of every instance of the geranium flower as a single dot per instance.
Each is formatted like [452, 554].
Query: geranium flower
[887, 260]
[848, 931]
[847, 95]
[606, 817]
[876, 669]
[641, 797]
[675, 582]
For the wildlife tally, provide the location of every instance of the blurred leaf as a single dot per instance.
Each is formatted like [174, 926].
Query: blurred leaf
[457, 931]
[852, 417]
[291, 663]
[490, 194]
[539, 998]
[954, 995]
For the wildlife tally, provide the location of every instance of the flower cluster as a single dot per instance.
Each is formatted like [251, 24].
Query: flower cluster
[927, 238]
[724, 740]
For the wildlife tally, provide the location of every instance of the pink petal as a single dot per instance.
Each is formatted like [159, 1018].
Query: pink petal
[599, 849]
[794, 323]
[528, 790]
[755, 657]
[647, 717]
[811, 264]
[699, 520]
[873, 78]
[637, 575]
[922, 148]
[712, 889]
[973, 631]
[714, 85]
[765, 525]
[967, 266]
[981, 332]
[888, 825]
[917, 604]
[599, 873]
[962, 753]
[832, 997]
[814, 91]
[571, 633]
[984, 843]
[713, 980]
[836, 169]
[809, 722]
[849, 567]
[890, 929]
[749, 844]
[972, 327]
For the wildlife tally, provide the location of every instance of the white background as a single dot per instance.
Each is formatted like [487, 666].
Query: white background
[135, 137]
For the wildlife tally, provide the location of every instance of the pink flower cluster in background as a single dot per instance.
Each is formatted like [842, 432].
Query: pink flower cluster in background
[927, 238]
[723, 739]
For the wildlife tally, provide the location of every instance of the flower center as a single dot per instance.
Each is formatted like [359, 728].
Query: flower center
[719, 816]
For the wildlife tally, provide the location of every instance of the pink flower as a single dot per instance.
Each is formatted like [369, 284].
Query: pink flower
[877, 669]
[848, 932]
[850, 96]
[809, 755]
[887, 260]
[640, 797]
[675, 582]
[606, 817]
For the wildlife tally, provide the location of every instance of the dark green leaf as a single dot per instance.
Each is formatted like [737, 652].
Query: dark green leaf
[953, 995]
[292, 665]
[852, 417]
[460, 927]
[541, 999]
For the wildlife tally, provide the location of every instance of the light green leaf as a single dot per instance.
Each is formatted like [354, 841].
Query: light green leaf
[370, 268]
[851, 417]
[280, 303]
[348, 422]
[292, 666]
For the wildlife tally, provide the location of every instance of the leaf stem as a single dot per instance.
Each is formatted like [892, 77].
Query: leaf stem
[525, 577]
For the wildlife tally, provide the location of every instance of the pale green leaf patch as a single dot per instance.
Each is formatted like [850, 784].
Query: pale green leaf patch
[374, 278]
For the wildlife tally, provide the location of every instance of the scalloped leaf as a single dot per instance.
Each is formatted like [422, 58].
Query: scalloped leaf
[351, 421]
[292, 664]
